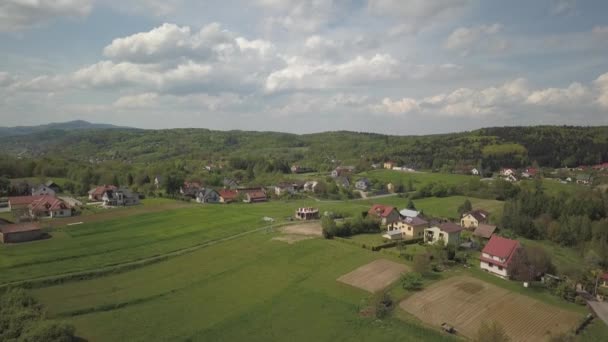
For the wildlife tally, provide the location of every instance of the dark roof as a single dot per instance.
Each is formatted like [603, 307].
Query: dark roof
[484, 230]
[22, 227]
[415, 221]
[450, 227]
[479, 214]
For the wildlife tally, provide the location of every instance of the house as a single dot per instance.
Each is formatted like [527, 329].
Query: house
[497, 255]
[255, 196]
[190, 189]
[385, 213]
[584, 179]
[376, 166]
[510, 178]
[119, 197]
[21, 202]
[505, 172]
[530, 172]
[484, 231]
[390, 187]
[23, 232]
[447, 232]
[228, 196]
[158, 181]
[42, 190]
[307, 214]
[342, 171]
[473, 218]
[97, 193]
[604, 280]
[389, 165]
[311, 186]
[284, 188]
[362, 184]
[207, 195]
[71, 201]
[475, 172]
[49, 206]
[54, 186]
[409, 213]
[601, 167]
[410, 228]
[300, 169]
[230, 183]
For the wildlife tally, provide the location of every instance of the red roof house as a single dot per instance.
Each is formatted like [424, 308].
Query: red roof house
[50, 206]
[227, 195]
[385, 213]
[498, 254]
[21, 202]
[97, 193]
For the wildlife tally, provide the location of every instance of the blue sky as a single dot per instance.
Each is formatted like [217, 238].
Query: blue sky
[388, 66]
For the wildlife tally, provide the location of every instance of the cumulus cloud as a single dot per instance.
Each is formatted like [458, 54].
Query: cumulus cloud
[571, 96]
[301, 15]
[602, 84]
[302, 73]
[417, 14]
[477, 38]
[138, 101]
[20, 14]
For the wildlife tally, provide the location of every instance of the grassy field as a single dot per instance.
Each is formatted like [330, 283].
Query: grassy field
[252, 289]
[419, 179]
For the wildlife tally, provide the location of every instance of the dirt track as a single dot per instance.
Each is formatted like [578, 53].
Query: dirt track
[308, 229]
[465, 302]
[375, 276]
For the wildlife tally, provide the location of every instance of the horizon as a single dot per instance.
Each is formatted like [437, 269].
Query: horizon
[393, 67]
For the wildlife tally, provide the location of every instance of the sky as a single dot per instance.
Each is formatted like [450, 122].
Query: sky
[388, 66]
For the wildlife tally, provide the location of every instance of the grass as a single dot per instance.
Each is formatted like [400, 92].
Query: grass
[419, 179]
[563, 258]
[368, 239]
[250, 289]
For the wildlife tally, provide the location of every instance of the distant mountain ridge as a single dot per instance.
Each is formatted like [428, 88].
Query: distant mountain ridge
[69, 125]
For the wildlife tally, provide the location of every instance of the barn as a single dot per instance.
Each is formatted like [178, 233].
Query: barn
[14, 233]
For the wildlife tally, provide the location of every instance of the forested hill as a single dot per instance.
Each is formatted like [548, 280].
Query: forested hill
[551, 146]
[70, 125]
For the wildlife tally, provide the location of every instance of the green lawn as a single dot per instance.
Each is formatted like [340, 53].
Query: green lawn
[248, 289]
[419, 179]
[563, 258]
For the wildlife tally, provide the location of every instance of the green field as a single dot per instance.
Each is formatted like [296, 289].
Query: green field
[419, 179]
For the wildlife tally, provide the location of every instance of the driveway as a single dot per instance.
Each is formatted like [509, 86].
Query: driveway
[600, 309]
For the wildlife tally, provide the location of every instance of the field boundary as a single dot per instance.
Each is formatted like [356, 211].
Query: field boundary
[127, 266]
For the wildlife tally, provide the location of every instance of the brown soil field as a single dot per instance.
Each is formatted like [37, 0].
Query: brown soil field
[291, 239]
[308, 229]
[466, 302]
[375, 276]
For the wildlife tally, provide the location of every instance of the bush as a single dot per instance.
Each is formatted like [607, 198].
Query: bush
[421, 263]
[580, 300]
[382, 304]
[411, 281]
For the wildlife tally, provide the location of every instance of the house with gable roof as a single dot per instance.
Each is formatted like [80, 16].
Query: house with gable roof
[386, 214]
[497, 255]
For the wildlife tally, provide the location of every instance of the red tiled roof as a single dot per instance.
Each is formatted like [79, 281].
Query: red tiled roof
[450, 227]
[100, 190]
[23, 200]
[227, 194]
[381, 210]
[256, 194]
[605, 276]
[47, 203]
[501, 247]
[484, 230]
[22, 227]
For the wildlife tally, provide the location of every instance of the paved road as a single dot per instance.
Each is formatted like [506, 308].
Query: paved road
[600, 309]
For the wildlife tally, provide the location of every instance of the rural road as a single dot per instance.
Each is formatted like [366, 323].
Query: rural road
[600, 309]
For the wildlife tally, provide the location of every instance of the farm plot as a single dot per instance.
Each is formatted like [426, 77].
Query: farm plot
[295, 233]
[375, 276]
[466, 302]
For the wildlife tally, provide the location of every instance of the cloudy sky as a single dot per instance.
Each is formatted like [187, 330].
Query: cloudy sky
[389, 66]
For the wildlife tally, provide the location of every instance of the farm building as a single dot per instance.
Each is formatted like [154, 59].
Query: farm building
[21, 202]
[49, 206]
[307, 214]
[190, 189]
[409, 227]
[255, 196]
[497, 255]
[284, 188]
[473, 218]
[207, 196]
[97, 193]
[385, 213]
[447, 232]
[14, 233]
[484, 231]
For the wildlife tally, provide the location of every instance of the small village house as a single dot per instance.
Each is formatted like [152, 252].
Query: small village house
[307, 214]
[390, 187]
[475, 172]
[158, 181]
[207, 195]
[529, 172]
[23, 232]
[230, 183]
[584, 179]
[190, 189]
[53, 186]
[311, 186]
[505, 172]
[97, 193]
[228, 196]
[497, 255]
[386, 214]
[42, 190]
[604, 280]
[342, 171]
[49, 206]
[119, 197]
[484, 231]
[389, 165]
[362, 184]
[473, 218]
[254, 196]
[21, 202]
[447, 232]
[284, 188]
[408, 227]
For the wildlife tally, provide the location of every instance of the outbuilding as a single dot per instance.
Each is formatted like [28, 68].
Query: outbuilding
[15, 233]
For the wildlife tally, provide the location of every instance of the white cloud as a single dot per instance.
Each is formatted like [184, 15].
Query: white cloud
[21, 14]
[138, 101]
[415, 15]
[571, 96]
[301, 73]
[563, 7]
[602, 84]
[477, 38]
[155, 7]
[300, 15]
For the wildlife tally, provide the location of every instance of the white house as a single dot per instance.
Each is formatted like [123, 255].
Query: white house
[475, 172]
[120, 197]
[311, 186]
[42, 190]
[447, 232]
[497, 255]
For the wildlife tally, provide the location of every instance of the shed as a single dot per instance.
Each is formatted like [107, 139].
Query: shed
[15, 233]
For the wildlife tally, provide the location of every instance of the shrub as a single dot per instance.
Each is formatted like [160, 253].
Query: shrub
[412, 281]
[382, 304]
[491, 332]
